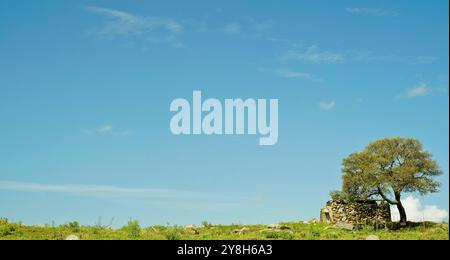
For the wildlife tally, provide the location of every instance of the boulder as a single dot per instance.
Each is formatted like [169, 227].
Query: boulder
[72, 237]
[277, 227]
[345, 226]
[192, 229]
[372, 237]
[240, 231]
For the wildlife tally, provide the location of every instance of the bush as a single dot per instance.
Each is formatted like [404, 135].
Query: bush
[73, 226]
[133, 229]
[206, 224]
[173, 234]
[7, 230]
[3, 221]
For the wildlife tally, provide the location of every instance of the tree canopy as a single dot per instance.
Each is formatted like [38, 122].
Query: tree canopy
[387, 168]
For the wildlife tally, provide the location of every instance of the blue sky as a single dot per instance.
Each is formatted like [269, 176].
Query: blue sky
[85, 89]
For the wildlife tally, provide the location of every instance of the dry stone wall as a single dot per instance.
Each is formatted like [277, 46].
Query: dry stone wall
[357, 213]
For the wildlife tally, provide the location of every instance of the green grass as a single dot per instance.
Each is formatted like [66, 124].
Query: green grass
[297, 231]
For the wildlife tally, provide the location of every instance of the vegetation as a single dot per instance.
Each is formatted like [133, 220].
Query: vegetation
[386, 169]
[295, 231]
[133, 229]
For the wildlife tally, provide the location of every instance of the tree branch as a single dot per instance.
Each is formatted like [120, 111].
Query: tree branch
[386, 198]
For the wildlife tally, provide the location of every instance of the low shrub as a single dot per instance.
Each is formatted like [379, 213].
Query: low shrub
[133, 229]
[173, 234]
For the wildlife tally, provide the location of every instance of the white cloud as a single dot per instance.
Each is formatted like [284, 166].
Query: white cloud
[83, 189]
[419, 91]
[109, 130]
[417, 212]
[106, 191]
[370, 11]
[120, 23]
[313, 54]
[244, 27]
[104, 129]
[164, 198]
[286, 73]
[327, 105]
[377, 58]
[247, 27]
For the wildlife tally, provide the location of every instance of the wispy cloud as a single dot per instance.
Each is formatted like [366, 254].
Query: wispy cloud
[371, 11]
[105, 191]
[418, 212]
[243, 27]
[247, 27]
[419, 91]
[88, 190]
[327, 105]
[313, 54]
[120, 23]
[232, 28]
[287, 73]
[424, 89]
[155, 197]
[376, 58]
[104, 129]
[109, 130]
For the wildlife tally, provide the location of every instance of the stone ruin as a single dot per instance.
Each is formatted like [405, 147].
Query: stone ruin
[356, 213]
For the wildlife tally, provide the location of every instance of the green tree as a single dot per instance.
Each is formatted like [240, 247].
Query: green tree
[387, 168]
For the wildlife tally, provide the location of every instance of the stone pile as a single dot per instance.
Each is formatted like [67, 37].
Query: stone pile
[356, 213]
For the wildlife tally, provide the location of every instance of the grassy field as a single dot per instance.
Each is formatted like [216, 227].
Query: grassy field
[294, 231]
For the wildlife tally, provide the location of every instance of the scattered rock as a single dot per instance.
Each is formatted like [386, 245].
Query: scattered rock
[345, 226]
[277, 227]
[192, 229]
[72, 237]
[372, 237]
[240, 231]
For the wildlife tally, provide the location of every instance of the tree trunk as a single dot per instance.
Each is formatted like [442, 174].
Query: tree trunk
[401, 210]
